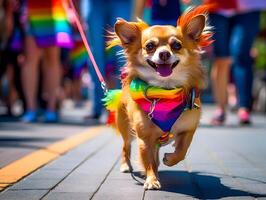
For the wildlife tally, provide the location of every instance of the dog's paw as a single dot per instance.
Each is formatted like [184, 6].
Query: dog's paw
[169, 159]
[152, 183]
[125, 168]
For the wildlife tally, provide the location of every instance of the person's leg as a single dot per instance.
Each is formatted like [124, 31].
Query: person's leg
[96, 40]
[29, 77]
[12, 95]
[221, 65]
[18, 63]
[232, 97]
[220, 77]
[76, 84]
[51, 79]
[243, 34]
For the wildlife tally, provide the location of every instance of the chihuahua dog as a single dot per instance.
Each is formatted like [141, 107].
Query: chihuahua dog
[159, 101]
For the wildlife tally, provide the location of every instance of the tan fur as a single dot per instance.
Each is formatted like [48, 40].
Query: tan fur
[131, 120]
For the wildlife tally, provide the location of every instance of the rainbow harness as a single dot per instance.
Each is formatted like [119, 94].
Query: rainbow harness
[163, 106]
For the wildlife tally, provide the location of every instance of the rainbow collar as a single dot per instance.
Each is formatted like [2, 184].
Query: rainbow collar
[163, 106]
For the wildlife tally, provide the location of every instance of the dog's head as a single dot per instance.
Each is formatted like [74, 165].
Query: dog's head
[166, 56]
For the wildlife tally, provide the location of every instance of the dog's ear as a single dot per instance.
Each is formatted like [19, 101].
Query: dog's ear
[128, 32]
[194, 26]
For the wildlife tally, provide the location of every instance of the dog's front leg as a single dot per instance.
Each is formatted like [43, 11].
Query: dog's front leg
[182, 143]
[149, 159]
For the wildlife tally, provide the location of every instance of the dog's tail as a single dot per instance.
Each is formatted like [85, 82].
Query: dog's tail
[111, 102]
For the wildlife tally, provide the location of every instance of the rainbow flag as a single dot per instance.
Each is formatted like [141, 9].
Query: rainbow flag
[78, 58]
[48, 23]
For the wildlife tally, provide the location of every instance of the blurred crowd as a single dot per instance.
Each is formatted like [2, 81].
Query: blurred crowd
[43, 60]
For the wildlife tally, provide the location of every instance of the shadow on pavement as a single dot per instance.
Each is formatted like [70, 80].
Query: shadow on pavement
[199, 185]
[205, 186]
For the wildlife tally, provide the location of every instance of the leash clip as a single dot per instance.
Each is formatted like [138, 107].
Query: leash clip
[105, 89]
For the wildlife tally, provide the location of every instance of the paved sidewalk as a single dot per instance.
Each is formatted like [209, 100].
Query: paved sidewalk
[224, 162]
[18, 139]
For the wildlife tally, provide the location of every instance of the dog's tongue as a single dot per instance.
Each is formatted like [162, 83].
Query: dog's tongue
[164, 70]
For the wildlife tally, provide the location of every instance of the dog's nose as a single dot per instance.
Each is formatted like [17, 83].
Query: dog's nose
[164, 55]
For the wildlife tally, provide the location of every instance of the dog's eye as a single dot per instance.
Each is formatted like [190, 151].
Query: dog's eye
[150, 46]
[176, 46]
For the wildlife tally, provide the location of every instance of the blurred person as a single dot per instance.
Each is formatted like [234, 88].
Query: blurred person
[78, 57]
[236, 24]
[232, 96]
[47, 29]
[2, 22]
[163, 12]
[79, 63]
[259, 55]
[11, 56]
[100, 14]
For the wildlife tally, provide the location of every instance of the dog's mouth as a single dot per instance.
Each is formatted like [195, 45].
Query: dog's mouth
[163, 70]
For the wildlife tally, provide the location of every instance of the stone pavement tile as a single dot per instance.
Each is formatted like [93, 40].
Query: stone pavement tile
[215, 180]
[65, 163]
[51, 174]
[241, 173]
[125, 193]
[83, 185]
[88, 177]
[208, 179]
[247, 173]
[176, 181]
[160, 194]
[120, 186]
[35, 184]
[215, 187]
[68, 196]
[61, 167]
[22, 194]
[255, 189]
[43, 174]
[210, 168]
[77, 155]
[215, 183]
[175, 185]
[19, 139]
